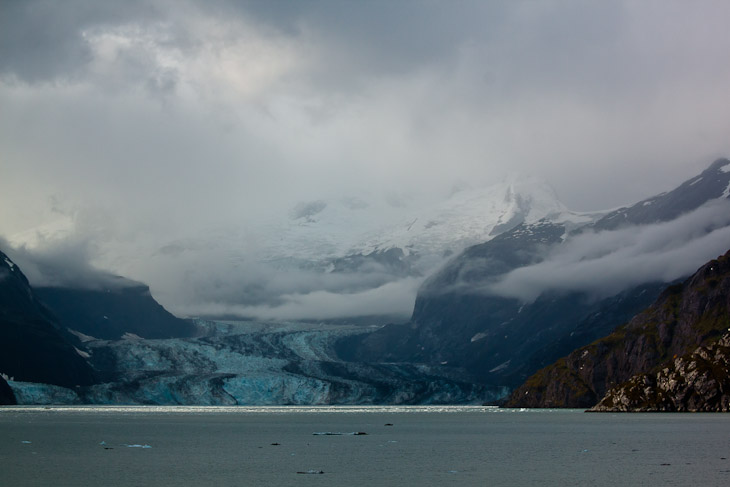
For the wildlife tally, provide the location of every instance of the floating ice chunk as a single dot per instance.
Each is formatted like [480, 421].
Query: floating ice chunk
[138, 446]
[315, 472]
[26, 442]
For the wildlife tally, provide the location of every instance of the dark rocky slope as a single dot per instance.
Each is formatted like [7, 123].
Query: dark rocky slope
[33, 347]
[655, 343]
[693, 193]
[121, 306]
[698, 381]
[6, 393]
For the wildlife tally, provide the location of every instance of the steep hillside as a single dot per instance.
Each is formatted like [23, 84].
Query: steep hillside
[685, 316]
[33, 347]
[109, 313]
[697, 381]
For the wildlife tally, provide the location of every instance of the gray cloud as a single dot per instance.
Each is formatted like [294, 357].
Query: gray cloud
[43, 40]
[393, 298]
[602, 264]
[148, 123]
[63, 263]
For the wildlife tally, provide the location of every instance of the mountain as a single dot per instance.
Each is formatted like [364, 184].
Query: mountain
[323, 231]
[671, 357]
[120, 307]
[502, 339]
[33, 346]
[712, 183]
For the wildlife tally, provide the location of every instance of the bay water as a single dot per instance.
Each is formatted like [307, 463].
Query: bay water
[394, 446]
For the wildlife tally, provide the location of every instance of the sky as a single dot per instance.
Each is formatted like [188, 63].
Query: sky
[128, 125]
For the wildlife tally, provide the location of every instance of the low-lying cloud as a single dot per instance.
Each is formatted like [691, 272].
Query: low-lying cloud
[197, 281]
[391, 299]
[63, 263]
[602, 264]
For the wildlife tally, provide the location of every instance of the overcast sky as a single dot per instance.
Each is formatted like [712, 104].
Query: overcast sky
[137, 119]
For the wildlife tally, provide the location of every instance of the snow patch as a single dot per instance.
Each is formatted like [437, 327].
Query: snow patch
[82, 353]
[477, 337]
[131, 336]
[501, 366]
[696, 181]
[83, 338]
[725, 168]
[10, 264]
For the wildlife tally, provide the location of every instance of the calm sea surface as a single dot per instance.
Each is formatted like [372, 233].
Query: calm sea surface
[150, 446]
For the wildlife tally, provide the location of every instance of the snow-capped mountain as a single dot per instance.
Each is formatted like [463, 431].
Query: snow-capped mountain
[319, 232]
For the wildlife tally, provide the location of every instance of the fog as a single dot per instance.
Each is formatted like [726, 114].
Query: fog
[602, 264]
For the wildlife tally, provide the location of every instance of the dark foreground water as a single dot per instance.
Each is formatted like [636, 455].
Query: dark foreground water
[140, 446]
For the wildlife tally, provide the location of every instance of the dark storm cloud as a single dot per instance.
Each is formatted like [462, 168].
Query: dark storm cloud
[41, 40]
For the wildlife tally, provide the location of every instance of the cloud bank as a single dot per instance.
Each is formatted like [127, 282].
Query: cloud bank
[146, 124]
[602, 264]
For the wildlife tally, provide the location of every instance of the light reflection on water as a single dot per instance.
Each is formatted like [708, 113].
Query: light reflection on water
[136, 409]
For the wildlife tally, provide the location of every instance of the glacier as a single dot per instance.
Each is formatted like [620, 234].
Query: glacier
[255, 364]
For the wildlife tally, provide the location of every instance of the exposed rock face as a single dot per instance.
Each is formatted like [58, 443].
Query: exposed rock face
[6, 393]
[684, 317]
[111, 312]
[699, 381]
[33, 347]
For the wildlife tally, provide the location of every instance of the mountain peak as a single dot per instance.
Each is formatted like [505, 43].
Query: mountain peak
[722, 165]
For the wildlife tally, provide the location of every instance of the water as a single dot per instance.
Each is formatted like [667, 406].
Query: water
[462, 446]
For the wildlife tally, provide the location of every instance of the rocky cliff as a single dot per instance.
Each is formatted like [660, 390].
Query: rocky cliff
[698, 381]
[33, 346]
[655, 343]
